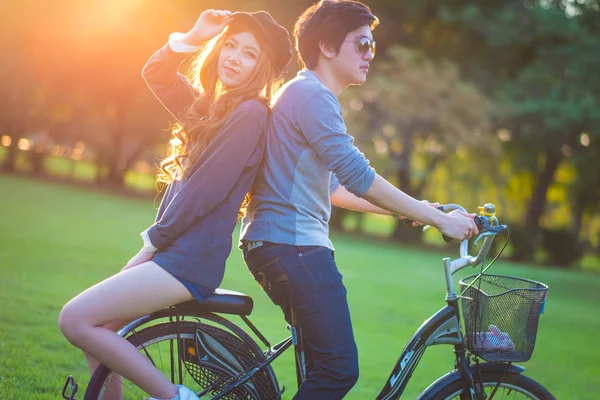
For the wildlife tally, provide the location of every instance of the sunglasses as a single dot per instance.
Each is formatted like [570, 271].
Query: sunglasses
[364, 45]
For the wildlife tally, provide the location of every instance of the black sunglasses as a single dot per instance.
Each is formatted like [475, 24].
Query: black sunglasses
[364, 45]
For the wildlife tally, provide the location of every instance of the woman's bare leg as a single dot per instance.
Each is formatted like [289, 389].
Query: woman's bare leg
[115, 386]
[124, 296]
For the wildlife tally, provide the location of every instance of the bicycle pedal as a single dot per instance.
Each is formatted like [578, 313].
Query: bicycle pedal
[72, 386]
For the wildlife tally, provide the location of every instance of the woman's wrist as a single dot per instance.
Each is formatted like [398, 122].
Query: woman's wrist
[177, 44]
[147, 242]
[192, 38]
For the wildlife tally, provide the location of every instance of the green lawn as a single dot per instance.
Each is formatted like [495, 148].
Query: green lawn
[56, 241]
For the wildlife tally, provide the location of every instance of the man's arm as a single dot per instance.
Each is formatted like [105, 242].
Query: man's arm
[321, 122]
[457, 225]
[319, 117]
[341, 197]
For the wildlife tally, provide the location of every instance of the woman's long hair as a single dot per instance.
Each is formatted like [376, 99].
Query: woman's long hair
[207, 114]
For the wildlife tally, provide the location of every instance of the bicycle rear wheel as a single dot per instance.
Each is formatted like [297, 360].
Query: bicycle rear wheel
[513, 386]
[159, 343]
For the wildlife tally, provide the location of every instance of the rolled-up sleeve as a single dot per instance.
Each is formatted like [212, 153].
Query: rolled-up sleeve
[333, 183]
[320, 120]
[214, 176]
[171, 88]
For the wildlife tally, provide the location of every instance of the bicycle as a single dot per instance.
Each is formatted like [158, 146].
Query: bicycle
[219, 360]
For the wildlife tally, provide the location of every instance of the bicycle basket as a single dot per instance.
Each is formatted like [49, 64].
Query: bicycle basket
[501, 315]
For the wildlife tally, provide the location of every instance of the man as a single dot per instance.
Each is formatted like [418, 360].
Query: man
[310, 163]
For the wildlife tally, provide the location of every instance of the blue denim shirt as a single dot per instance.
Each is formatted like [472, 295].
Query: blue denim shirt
[198, 214]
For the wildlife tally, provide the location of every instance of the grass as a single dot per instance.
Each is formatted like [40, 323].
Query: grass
[55, 241]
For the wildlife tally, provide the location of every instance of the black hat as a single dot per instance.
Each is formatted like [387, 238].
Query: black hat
[275, 35]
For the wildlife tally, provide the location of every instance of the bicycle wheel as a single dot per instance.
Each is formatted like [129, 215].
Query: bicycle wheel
[159, 343]
[513, 386]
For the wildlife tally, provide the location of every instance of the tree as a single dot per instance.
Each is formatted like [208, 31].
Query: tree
[537, 61]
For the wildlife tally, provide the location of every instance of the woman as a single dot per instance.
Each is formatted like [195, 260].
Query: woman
[214, 156]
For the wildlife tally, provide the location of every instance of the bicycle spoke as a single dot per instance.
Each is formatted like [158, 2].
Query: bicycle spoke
[160, 356]
[505, 392]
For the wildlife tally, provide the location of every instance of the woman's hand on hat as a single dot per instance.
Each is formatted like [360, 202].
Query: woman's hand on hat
[209, 24]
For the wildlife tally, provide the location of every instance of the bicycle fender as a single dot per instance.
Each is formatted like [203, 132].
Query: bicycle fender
[455, 375]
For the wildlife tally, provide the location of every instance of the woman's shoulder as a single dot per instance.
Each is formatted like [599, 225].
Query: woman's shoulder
[249, 115]
[255, 108]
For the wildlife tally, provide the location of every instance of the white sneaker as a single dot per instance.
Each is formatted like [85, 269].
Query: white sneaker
[183, 393]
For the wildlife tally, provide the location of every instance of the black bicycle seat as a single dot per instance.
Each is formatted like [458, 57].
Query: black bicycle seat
[223, 301]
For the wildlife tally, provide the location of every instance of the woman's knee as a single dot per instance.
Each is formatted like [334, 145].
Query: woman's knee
[71, 322]
[74, 321]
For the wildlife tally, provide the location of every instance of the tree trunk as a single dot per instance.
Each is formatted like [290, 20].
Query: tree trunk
[37, 158]
[526, 249]
[116, 175]
[115, 162]
[337, 216]
[9, 164]
[406, 233]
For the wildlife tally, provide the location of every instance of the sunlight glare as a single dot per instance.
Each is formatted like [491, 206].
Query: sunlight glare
[584, 139]
[24, 144]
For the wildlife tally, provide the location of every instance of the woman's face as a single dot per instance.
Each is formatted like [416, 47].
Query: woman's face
[238, 59]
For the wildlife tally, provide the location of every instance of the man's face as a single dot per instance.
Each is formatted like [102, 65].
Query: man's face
[356, 52]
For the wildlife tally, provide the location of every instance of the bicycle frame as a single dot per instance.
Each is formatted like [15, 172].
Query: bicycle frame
[442, 328]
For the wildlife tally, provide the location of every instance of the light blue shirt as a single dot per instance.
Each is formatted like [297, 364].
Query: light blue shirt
[308, 154]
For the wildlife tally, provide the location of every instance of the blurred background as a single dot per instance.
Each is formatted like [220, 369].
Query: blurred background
[466, 102]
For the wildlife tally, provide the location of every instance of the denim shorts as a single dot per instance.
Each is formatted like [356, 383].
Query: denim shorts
[199, 293]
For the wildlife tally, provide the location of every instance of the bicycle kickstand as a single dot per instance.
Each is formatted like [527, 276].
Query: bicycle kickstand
[71, 386]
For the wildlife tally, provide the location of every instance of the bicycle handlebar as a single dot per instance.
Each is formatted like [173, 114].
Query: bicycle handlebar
[488, 227]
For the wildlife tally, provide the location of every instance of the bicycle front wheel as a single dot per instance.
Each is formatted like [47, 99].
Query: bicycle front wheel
[178, 361]
[513, 386]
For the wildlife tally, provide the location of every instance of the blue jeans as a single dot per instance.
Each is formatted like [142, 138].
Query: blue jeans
[305, 280]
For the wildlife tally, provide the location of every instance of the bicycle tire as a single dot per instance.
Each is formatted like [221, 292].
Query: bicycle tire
[516, 385]
[209, 373]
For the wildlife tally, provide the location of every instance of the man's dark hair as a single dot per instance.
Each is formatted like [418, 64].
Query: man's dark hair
[329, 21]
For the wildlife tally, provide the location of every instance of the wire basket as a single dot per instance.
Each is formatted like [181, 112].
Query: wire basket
[501, 315]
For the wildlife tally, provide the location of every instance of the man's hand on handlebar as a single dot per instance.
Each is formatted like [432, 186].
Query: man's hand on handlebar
[459, 226]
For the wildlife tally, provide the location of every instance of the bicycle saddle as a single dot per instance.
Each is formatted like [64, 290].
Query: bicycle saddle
[223, 301]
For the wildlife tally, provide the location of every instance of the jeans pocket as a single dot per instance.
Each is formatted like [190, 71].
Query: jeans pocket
[273, 279]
